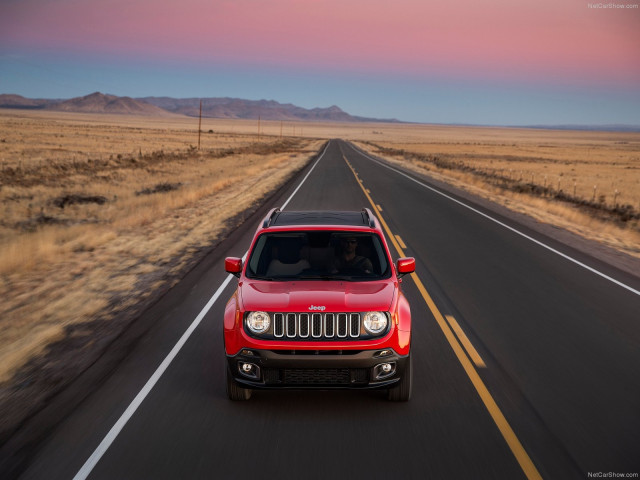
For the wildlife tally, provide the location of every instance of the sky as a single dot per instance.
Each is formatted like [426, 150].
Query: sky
[489, 62]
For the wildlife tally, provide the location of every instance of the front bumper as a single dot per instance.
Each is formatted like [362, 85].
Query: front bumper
[317, 369]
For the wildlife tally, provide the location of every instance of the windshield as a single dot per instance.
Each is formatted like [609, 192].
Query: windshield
[318, 255]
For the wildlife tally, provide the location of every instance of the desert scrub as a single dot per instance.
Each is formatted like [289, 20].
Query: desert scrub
[585, 182]
[79, 242]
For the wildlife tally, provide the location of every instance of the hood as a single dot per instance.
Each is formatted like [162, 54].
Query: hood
[305, 296]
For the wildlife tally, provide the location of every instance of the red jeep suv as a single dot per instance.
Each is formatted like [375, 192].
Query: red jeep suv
[318, 305]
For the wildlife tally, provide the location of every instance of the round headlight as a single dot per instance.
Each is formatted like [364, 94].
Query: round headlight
[258, 322]
[375, 322]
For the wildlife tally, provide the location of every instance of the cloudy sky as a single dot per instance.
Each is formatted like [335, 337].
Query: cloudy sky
[502, 62]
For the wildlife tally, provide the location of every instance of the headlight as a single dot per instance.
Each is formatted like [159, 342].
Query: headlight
[375, 322]
[258, 322]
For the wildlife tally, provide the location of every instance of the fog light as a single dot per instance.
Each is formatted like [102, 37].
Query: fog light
[384, 370]
[249, 370]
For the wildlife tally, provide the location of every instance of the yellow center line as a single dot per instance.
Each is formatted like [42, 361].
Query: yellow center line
[400, 241]
[466, 343]
[499, 419]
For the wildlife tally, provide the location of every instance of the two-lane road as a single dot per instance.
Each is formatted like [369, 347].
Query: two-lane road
[557, 393]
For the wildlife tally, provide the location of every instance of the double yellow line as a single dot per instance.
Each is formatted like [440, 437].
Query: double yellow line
[501, 422]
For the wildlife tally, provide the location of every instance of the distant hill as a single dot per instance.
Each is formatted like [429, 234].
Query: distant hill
[594, 128]
[18, 101]
[100, 103]
[253, 109]
[94, 103]
[232, 108]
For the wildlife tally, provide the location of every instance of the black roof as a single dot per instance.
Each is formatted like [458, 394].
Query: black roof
[327, 217]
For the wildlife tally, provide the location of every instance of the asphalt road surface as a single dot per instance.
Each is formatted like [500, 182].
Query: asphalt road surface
[546, 384]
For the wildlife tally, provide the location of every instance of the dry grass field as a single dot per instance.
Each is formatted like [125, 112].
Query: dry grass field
[585, 182]
[98, 213]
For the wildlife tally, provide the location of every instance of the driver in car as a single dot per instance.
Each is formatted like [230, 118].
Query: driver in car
[348, 259]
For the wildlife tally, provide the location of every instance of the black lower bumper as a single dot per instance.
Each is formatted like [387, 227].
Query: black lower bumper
[301, 369]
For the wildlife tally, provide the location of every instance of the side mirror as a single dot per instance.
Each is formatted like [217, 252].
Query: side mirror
[405, 265]
[233, 265]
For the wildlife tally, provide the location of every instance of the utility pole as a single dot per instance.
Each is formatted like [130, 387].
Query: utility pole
[199, 124]
[258, 127]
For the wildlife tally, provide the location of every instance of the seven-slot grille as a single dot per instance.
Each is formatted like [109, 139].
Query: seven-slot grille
[310, 326]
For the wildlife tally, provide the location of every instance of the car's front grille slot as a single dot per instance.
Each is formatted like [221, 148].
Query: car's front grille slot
[278, 325]
[291, 325]
[329, 325]
[342, 325]
[317, 326]
[303, 329]
[354, 325]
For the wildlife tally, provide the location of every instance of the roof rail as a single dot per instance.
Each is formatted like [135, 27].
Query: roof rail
[370, 217]
[269, 217]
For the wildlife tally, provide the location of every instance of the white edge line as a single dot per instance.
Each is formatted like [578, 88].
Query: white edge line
[95, 457]
[133, 406]
[571, 259]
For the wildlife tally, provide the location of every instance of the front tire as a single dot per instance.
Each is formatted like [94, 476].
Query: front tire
[234, 391]
[401, 392]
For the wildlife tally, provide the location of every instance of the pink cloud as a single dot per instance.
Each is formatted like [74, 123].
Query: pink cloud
[546, 39]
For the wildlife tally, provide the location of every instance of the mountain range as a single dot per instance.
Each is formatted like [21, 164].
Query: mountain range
[228, 108]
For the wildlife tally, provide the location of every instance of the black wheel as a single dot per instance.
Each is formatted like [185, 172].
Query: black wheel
[401, 392]
[235, 391]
